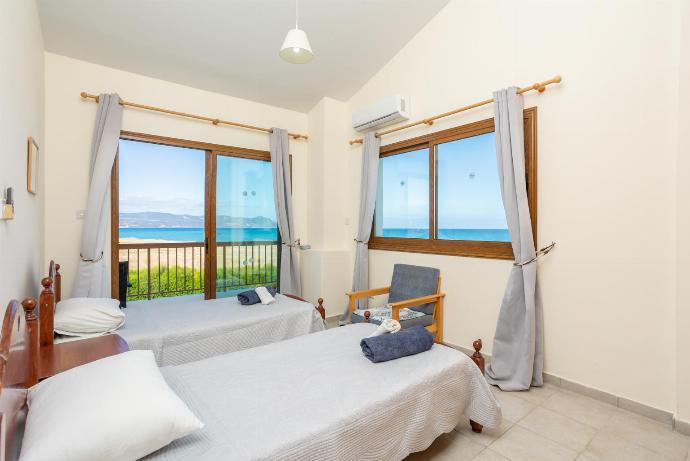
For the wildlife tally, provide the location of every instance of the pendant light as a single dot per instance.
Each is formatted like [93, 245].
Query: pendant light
[296, 48]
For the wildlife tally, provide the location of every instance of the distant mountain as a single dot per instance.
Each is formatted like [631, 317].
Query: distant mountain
[153, 219]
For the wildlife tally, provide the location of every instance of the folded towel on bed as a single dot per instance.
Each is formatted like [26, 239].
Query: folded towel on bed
[249, 297]
[265, 296]
[390, 347]
[386, 326]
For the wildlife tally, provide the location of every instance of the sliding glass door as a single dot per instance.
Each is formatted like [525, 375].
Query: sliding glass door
[246, 233]
[191, 218]
[160, 230]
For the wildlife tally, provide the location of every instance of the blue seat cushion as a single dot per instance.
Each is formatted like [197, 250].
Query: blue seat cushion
[423, 321]
[411, 282]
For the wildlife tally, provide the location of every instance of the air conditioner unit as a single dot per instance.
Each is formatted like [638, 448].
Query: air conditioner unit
[392, 109]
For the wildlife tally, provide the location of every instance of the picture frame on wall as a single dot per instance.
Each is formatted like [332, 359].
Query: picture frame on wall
[32, 159]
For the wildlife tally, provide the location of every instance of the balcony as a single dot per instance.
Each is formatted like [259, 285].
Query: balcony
[169, 269]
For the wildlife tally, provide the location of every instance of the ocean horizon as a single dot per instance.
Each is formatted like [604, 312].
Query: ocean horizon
[196, 234]
[249, 234]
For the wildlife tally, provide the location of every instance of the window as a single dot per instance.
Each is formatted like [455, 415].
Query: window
[191, 218]
[440, 193]
[469, 197]
[403, 208]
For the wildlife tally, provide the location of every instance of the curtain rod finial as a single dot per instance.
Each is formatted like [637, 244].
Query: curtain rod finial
[83, 94]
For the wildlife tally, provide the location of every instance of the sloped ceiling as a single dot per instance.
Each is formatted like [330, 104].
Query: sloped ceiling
[232, 46]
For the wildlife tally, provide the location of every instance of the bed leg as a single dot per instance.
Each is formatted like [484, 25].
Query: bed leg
[478, 359]
[476, 427]
[321, 309]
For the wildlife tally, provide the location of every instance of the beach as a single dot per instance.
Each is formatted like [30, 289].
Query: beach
[167, 253]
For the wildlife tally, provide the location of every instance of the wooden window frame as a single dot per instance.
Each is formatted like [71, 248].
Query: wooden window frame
[469, 248]
[212, 153]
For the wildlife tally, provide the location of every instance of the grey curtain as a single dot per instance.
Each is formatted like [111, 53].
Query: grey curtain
[367, 203]
[518, 351]
[93, 274]
[282, 189]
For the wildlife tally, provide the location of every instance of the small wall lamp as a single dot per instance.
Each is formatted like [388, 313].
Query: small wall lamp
[7, 204]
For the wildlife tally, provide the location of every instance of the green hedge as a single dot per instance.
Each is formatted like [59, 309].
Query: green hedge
[176, 279]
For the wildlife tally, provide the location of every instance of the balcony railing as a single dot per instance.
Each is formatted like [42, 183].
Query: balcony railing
[179, 268]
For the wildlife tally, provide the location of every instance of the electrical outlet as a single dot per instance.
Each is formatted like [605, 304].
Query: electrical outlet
[81, 214]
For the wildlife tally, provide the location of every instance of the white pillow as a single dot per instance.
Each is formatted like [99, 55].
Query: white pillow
[117, 408]
[88, 316]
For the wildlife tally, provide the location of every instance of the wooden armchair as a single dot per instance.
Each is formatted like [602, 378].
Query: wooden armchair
[425, 296]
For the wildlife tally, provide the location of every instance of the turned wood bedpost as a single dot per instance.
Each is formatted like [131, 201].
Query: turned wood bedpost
[321, 309]
[46, 312]
[57, 284]
[478, 359]
[33, 345]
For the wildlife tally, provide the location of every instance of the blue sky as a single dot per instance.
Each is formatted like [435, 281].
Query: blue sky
[469, 196]
[171, 180]
[244, 188]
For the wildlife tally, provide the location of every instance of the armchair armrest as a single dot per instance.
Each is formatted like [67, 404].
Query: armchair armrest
[395, 307]
[355, 295]
[369, 292]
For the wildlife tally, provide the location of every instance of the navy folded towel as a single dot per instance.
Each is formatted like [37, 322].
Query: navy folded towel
[249, 297]
[392, 346]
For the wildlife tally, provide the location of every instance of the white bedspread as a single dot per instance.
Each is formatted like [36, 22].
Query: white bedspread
[182, 331]
[317, 397]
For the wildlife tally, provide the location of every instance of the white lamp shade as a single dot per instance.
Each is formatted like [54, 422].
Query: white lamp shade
[296, 48]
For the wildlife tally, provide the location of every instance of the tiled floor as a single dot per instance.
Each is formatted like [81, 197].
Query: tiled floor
[551, 424]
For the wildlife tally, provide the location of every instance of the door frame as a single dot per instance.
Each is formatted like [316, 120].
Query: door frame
[212, 151]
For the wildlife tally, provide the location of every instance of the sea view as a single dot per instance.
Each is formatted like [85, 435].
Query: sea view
[196, 234]
[486, 235]
[238, 234]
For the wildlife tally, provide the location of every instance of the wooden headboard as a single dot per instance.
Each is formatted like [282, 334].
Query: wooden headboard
[19, 369]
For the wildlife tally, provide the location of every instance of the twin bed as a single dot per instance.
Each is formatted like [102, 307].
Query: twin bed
[311, 397]
[181, 331]
[316, 397]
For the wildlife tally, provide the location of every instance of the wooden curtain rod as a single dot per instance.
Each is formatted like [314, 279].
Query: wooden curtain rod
[215, 121]
[540, 87]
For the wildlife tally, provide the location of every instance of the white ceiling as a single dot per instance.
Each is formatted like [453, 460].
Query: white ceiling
[231, 46]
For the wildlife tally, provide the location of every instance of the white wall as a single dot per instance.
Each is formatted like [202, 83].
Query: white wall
[21, 116]
[326, 267]
[683, 225]
[607, 148]
[69, 125]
